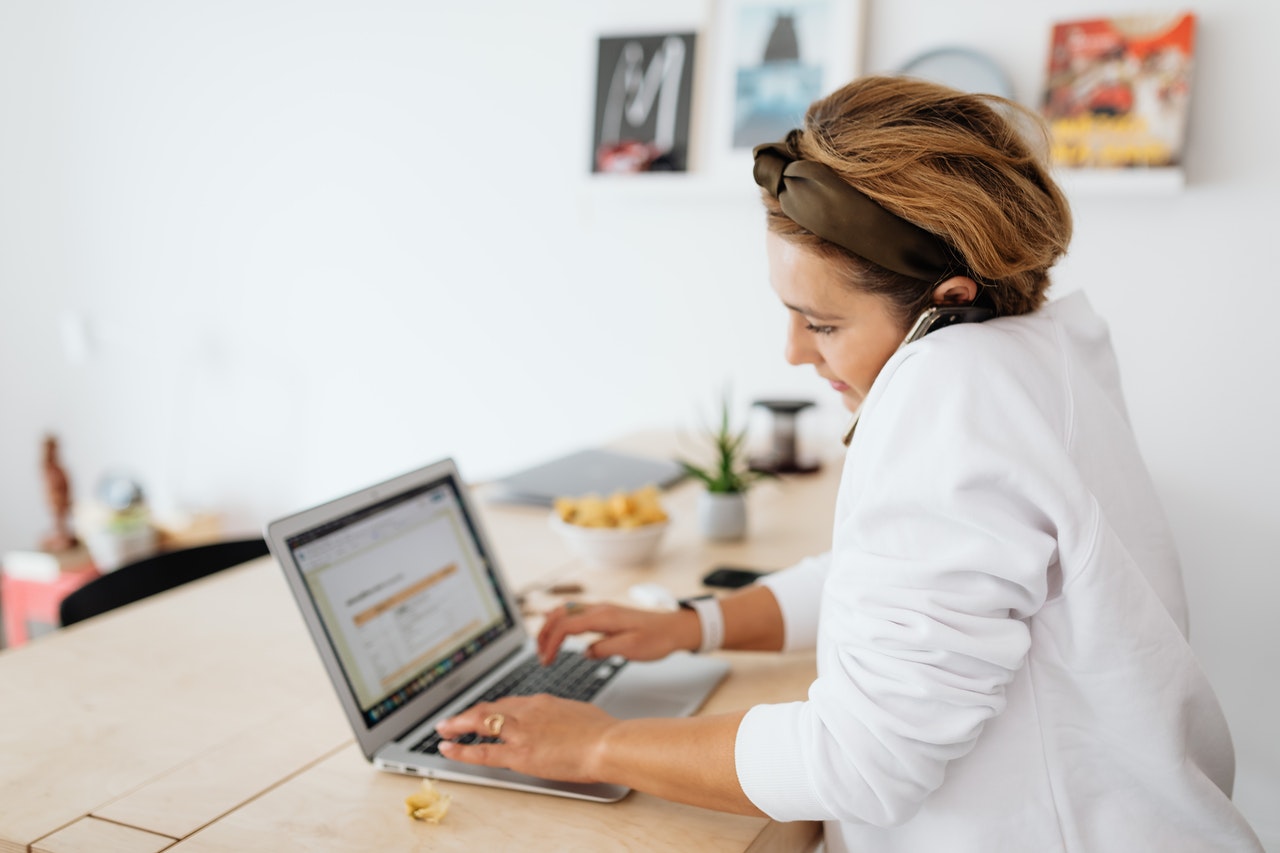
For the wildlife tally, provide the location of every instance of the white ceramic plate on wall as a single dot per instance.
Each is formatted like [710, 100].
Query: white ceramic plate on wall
[960, 68]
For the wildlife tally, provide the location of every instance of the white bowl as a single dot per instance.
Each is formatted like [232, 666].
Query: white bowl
[612, 546]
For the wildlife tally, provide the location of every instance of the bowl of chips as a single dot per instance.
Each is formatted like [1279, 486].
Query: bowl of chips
[623, 529]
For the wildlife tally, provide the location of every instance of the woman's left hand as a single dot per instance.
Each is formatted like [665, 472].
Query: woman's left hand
[541, 735]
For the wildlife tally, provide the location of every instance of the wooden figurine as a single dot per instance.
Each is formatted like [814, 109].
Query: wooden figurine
[58, 493]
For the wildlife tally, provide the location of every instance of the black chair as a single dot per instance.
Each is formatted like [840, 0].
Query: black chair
[149, 576]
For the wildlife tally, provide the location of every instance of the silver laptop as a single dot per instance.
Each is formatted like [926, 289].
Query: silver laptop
[414, 621]
[594, 469]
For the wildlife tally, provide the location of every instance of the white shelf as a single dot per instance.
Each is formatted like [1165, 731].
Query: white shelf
[1121, 182]
[690, 186]
[665, 186]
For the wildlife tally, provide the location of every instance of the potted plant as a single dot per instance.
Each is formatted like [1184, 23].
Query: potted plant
[722, 508]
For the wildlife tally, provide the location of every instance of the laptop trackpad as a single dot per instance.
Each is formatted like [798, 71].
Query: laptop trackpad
[674, 687]
[636, 706]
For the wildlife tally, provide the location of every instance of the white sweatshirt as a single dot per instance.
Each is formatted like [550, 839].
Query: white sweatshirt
[1001, 626]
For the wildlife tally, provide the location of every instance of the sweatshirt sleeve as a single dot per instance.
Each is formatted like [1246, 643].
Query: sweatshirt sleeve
[940, 552]
[798, 591]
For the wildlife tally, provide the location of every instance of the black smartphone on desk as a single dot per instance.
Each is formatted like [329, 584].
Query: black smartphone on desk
[731, 577]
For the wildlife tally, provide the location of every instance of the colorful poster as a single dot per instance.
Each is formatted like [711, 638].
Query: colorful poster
[1118, 89]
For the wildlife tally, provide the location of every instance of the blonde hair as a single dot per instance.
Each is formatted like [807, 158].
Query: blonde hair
[955, 164]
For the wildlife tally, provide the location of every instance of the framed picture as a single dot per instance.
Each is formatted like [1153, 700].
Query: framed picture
[644, 94]
[772, 59]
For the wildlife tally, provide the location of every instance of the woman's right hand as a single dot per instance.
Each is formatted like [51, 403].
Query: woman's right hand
[634, 634]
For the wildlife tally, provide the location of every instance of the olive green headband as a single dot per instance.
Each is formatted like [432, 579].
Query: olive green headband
[818, 199]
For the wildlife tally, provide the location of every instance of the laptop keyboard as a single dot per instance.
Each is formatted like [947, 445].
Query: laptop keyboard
[571, 676]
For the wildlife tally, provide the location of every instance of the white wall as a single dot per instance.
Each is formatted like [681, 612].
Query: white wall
[262, 252]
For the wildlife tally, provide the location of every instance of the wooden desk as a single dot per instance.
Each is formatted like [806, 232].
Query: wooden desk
[202, 720]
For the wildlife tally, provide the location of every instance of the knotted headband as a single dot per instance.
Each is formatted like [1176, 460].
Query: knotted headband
[818, 199]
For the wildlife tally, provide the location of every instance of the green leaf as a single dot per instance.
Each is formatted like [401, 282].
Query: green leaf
[727, 472]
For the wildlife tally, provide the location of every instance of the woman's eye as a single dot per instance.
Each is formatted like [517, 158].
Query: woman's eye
[820, 330]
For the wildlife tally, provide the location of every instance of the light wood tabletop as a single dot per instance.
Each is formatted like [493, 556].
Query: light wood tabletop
[202, 720]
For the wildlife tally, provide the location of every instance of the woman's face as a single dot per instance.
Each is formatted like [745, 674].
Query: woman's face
[845, 334]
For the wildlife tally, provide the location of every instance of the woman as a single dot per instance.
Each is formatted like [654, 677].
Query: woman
[1000, 624]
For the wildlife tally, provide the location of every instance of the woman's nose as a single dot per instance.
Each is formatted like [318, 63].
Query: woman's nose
[799, 349]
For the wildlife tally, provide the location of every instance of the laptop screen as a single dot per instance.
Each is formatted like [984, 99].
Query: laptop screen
[405, 593]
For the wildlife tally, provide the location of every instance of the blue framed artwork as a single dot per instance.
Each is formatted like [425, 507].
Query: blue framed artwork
[772, 60]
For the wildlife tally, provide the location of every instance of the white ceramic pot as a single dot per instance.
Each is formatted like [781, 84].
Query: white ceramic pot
[722, 516]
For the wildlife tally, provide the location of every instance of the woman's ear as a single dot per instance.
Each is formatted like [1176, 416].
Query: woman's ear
[957, 290]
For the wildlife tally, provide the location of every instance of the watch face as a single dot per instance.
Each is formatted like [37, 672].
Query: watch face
[119, 492]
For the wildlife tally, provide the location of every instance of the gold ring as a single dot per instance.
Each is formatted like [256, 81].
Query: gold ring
[572, 607]
[493, 724]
